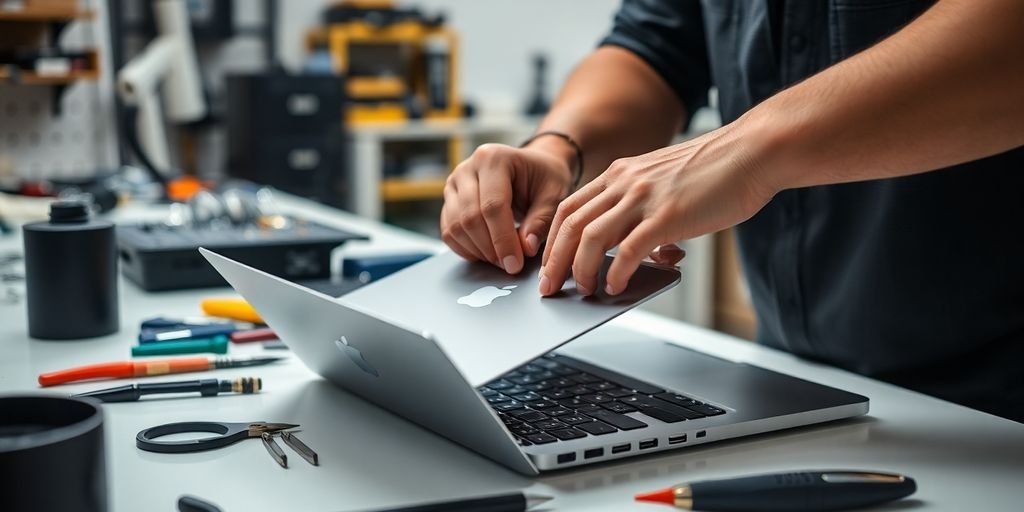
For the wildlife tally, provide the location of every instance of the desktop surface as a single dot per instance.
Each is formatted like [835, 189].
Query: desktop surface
[369, 459]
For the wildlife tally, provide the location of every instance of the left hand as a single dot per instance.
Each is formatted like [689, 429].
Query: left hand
[647, 202]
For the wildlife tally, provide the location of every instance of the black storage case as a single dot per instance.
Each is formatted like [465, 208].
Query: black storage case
[287, 131]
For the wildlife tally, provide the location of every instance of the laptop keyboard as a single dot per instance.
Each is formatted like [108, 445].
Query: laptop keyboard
[551, 399]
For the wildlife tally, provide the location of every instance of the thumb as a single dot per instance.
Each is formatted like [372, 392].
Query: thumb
[534, 228]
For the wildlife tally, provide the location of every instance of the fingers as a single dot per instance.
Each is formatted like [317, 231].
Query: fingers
[636, 246]
[668, 254]
[568, 231]
[471, 220]
[496, 207]
[567, 208]
[537, 221]
[599, 236]
[453, 234]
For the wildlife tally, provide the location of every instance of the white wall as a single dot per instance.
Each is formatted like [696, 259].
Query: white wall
[498, 40]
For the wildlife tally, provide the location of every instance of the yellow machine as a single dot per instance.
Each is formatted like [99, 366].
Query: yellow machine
[399, 63]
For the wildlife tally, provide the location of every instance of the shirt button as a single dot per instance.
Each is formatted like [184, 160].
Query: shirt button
[797, 43]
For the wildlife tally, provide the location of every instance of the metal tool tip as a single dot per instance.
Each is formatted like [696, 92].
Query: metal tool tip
[532, 500]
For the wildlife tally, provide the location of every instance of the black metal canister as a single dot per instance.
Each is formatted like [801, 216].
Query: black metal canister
[71, 274]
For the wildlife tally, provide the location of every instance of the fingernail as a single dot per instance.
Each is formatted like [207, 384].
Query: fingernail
[511, 264]
[582, 290]
[610, 290]
[531, 243]
[544, 283]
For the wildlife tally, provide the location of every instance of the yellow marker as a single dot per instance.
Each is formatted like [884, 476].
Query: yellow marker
[234, 309]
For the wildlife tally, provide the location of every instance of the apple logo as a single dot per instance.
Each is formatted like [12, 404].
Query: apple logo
[356, 356]
[484, 296]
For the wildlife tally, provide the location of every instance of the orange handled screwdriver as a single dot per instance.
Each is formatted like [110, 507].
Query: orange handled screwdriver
[128, 369]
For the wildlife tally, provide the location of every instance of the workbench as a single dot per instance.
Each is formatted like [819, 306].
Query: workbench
[962, 459]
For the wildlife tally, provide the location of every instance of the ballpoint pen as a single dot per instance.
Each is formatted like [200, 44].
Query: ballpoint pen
[514, 502]
[800, 491]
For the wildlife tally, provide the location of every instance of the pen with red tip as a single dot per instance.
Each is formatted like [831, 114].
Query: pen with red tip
[799, 492]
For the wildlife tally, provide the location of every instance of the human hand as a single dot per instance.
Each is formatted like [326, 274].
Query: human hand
[645, 203]
[496, 186]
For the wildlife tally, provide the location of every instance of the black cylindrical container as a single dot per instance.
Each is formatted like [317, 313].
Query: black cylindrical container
[51, 455]
[71, 275]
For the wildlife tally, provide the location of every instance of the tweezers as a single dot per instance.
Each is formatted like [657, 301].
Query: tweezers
[275, 450]
[304, 451]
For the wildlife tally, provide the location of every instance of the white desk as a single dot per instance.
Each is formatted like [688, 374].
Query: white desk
[962, 459]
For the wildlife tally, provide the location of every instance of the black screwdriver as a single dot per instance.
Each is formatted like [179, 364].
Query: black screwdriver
[205, 387]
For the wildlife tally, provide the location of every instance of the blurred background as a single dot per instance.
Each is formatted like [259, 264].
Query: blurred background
[362, 105]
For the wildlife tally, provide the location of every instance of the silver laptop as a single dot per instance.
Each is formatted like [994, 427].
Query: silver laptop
[467, 351]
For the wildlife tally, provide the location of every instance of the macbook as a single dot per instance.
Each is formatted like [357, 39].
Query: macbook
[473, 354]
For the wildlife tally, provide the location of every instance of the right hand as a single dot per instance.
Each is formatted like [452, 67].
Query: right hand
[495, 187]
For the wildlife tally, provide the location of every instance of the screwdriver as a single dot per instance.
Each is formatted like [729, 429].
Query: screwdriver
[205, 387]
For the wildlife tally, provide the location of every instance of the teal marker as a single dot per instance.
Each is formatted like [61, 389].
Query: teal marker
[214, 345]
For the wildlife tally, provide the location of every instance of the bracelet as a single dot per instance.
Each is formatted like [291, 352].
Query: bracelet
[578, 173]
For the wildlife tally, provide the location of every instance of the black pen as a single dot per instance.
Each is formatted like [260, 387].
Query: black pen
[799, 492]
[515, 502]
[206, 387]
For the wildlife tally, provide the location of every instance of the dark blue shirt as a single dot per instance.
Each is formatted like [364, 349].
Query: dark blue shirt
[917, 280]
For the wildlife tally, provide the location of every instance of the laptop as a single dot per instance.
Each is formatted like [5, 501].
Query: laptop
[469, 352]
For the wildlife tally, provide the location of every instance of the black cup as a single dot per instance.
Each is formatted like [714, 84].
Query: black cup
[51, 454]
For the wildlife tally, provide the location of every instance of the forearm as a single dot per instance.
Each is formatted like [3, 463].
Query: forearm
[947, 89]
[613, 105]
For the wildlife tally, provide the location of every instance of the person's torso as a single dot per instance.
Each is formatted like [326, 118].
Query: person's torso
[916, 280]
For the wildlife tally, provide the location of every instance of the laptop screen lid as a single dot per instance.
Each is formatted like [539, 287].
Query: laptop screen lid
[488, 321]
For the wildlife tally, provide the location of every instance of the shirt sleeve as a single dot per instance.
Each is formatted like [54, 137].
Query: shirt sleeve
[669, 36]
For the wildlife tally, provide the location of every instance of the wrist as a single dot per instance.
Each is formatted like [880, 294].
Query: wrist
[770, 144]
[561, 148]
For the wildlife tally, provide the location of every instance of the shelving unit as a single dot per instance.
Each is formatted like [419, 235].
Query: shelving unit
[91, 73]
[45, 14]
[42, 25]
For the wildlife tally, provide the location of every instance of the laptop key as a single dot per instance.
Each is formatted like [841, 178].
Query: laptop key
[597, 428]
[499, 385]
[546, 363]
[557, 394]
[587, 409]
[643, 402]
[549, 425]
[541, 438]
[497, 399]
[557, 411]
[573, 403]
[661, 414]
[620, 392]
[579, 390]
[597, 398]
[529, 396]
[524, 429]
[508, 406]
[674, 399]
[706, 409]
[618, 407]
[566, 434]
[602, 386]
[543, 405]
[528, 415]
[540, 386]
[617, 420]
[574, 419]
[487, 392]
[529, 378]
[523, 442]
